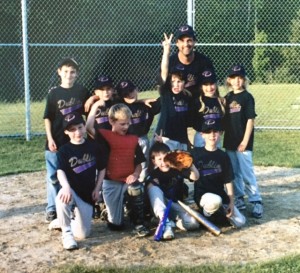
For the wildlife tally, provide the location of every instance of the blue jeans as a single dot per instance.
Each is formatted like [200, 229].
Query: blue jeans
[244, 177]
[53, 185]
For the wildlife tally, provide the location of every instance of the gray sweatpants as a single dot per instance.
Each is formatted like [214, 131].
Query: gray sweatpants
[183, 220]
[113, 195]
[81, 225]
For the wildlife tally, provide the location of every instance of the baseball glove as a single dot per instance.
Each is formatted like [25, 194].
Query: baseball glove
[179, 159]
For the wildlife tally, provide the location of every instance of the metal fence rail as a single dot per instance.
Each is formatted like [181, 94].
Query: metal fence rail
[122, 38]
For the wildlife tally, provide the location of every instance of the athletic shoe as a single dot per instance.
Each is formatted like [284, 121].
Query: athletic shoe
[68, 240]
[141, 231]
[237, 219]
[104, 215]
[54, 225]
[258, 209]
[240, 203]
[168, 232]
[50, 216]
[114, 227]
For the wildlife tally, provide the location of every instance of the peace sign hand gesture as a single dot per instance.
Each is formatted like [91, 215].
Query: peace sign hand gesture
[166, 43]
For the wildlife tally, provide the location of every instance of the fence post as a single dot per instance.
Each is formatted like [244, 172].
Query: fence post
[191, 13]
[26, 69]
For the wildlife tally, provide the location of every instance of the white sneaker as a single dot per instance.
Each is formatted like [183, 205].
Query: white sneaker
[168, 232]
[54, 225]
[68, 240]
[237, 219]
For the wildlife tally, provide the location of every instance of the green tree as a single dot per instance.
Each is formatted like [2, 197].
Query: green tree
[289, 71]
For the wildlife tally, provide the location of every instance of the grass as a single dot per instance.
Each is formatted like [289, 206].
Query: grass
[276, 105]
[289, 264]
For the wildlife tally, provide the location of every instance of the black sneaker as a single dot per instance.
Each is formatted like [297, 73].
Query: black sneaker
[141, 231]
[114, 227]
[50, 216]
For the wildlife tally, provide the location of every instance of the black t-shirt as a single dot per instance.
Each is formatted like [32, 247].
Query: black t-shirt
[101, 117]
[61, 102]
[142, 117]
[215, 171]
[212, 110]
[192, 71]
[80, 162]
[176, 116]
[171, 183]
[239, 108]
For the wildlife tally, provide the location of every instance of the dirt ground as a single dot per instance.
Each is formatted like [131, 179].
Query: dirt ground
[26, 245]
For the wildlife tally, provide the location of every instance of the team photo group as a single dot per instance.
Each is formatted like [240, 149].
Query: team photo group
[103, 161]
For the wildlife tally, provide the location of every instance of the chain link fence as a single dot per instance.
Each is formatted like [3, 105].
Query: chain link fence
[123, 39]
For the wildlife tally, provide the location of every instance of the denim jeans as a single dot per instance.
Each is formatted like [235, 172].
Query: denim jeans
[53, 185]
[244, 177]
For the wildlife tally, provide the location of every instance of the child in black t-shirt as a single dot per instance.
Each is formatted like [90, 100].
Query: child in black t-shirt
[164, 183]
[80, 173]
[62, 100]
[213, 191]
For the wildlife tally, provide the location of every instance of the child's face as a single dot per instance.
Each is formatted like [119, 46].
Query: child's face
[176, 84]
[76, 133]
[120, 126]
[68, 75]
[105, 93]
[211, 138]
[209, 89]
[158, 161]
[236, 82]
[131, 97]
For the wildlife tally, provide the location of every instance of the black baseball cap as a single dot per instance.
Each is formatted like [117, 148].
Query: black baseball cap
[124, 88]
[185, 30]
[237, 70]
[72, 119]
[210, 125]
[103, 80]
[208, 76]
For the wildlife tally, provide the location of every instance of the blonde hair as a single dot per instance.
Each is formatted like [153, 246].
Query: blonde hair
[221, 100]
[245, 85]
[119, 111]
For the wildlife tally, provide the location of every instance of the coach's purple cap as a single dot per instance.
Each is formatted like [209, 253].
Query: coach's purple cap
[103, 80]
[185, 30]
[236, 70]
[208, 76]
[72, 119]
[125, 87]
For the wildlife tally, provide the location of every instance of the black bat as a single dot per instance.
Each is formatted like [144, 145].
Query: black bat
[161, 226]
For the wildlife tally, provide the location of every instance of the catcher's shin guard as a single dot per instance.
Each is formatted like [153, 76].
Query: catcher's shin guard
[136, 202]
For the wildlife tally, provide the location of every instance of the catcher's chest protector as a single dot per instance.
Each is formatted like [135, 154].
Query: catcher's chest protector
[121, 156]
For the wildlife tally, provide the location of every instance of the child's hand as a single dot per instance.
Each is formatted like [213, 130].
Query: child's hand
[229, 210]
[88, 104]
[131, 179]
[52, 145]
[148, 101]
[242, 147]
[99, 103]
[158, 138]
[65, 194]
[95, 195]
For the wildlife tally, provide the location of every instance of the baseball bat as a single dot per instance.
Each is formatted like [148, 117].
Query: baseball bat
[201, 219]
[161, 226]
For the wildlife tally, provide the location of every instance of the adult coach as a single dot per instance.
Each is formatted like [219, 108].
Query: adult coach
[191, 62]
